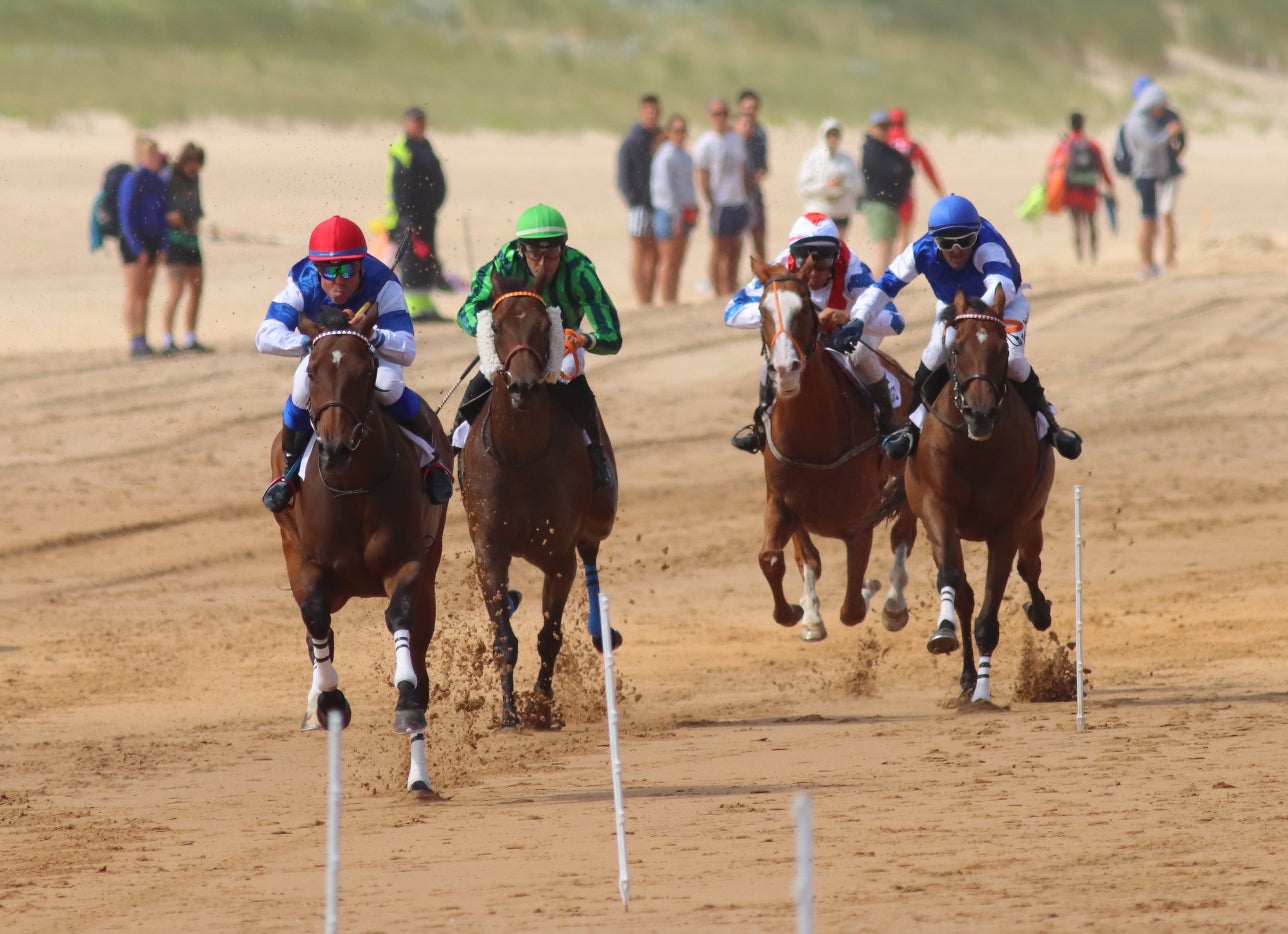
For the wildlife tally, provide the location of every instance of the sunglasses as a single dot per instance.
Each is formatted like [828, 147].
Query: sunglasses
[542, 249]
[965, 241]
[822, 257]
[343, 270]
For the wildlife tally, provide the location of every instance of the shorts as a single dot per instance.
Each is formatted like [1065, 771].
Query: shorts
[183, 250]
[1166, 192]
[729, 220]
[667, 224]
[883, 219]
[151, 248]
[1147, 190]
[639, 222]
[1081, 198]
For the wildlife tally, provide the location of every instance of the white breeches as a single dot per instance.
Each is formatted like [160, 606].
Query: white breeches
[941, 337]
[389, 383]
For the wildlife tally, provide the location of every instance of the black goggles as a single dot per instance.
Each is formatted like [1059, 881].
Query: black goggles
[823, 255]
[946, 241]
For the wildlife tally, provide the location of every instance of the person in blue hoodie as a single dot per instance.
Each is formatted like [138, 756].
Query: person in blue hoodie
[142, 202]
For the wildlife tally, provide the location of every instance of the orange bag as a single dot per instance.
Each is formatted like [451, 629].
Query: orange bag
[1055, 189]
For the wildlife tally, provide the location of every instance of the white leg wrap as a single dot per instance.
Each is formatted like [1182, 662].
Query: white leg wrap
[402, 658]
[948, 606]
[418, 771]
[325, 677]
[981, 680]
[809, 597]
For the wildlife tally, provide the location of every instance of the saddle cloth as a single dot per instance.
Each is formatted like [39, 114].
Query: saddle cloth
[425, 453]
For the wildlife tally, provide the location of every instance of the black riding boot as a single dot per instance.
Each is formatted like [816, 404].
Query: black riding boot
[476, 393]
[1068, 443]
[437, 477]
[751, 438]
[880, 393]
[575, 396]
[282, 490]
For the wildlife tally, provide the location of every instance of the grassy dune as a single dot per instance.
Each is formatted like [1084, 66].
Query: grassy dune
[580, 64]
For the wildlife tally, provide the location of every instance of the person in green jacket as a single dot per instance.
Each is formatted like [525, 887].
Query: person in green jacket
[540, 249]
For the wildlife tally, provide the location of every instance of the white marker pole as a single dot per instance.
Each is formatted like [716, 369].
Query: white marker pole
[1077, 593]
[610, 700]
[334, 725]
[804, 863]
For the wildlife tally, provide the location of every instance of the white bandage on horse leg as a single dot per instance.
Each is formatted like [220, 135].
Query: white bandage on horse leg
[948, 605]
[325, 677]
[403, 670]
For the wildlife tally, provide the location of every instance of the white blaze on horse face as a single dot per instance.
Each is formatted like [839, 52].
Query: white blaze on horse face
[783, 354]
[980, 336]
[336, 357]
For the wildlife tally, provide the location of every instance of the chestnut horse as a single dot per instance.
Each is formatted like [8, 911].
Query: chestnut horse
[980, 474]
[360, 526]
[824, 470]
[526, 484]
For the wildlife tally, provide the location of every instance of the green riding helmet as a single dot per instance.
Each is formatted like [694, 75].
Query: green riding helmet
[541, 225]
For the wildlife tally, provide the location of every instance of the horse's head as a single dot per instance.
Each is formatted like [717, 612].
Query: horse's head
[977, 362]
[520, 338]
[342, 381]
[788, 322]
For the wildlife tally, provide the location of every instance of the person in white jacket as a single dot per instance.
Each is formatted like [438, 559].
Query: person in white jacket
[829, 179]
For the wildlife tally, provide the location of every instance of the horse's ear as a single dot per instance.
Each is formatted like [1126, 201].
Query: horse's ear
[309, 328]
[539, 283]
[496, 284]
[806, 267]
[960, 305]
[364, 322]
[999, 301]
[759, 269]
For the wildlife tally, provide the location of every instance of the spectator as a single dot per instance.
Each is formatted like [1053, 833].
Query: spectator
[634, 160]
[142, 204]
[916, 154]
[1167, 187]
[887, 174]
[829, 179]
[183, 250]
[416, 191]
[675, 206]
[757, 143]
[1149, 140]
[1082, 164]
[720, 163]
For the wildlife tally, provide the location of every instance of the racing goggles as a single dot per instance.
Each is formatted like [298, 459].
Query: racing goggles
[343, 270]
[824, 256]
[946, 241]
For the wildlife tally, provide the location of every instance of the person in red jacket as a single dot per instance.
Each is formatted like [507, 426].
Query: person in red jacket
[900, 140]
[1083, 164]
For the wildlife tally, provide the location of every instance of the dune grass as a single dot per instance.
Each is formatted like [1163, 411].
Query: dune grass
[580, 64]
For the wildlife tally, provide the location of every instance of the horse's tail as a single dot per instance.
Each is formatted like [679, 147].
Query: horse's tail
[893, 499]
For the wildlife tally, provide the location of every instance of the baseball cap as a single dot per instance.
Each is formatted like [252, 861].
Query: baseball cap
[413, 113]
[879, 117]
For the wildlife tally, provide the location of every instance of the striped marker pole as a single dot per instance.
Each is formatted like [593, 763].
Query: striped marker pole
[610, 700]
[804, 863]
[334, 725]
[1077, 595]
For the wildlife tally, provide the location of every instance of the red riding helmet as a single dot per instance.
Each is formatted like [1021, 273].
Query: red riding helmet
[337, 238]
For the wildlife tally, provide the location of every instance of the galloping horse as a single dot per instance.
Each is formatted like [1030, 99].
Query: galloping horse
[824, 470]
[361, 526]
[980, 474]
[526, 483]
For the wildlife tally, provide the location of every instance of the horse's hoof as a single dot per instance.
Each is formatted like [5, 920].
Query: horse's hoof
[944, 641]
[409, 721]
[418, 788]
[894, 617]
[814, 632]
[797, 614]
[599, 641]
[1039, 615]
[334, 700]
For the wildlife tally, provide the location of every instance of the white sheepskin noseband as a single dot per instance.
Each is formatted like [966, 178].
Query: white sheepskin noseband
[490, 361]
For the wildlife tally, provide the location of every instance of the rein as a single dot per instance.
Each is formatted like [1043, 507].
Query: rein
[780, 328]
[1009, 326]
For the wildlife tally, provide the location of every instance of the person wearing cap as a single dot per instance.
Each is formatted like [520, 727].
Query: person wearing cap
[339, 273]
[836, 278]
[415, 191]
[961, 250]
[898, 138]
[1154, 136]
[828, 178]
[887, 176]
[540, 250]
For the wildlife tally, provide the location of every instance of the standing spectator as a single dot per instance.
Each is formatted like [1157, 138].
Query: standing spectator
[887, 175]
[183, 250]
[1168, 185]
[757, 143]
[416, 191]
[829, 179]
[1149, 140]
[675, 206]
[916, 154]
[720, 164]
[1083, 164]
[142, 205]
[634, 159]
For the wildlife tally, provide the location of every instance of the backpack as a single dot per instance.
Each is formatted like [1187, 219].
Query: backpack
[1081, 169]
[107, 208]
[1122, 155]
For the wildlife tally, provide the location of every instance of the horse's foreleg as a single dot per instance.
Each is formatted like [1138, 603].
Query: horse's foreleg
[324, 693]
[858, 548]
[1038, 607]
[949, 581]
[779, 527]
[410, 620]
[1001, 552]
[894, 615]
[493, 581]
[810, 564]
[554, 597]
[589, 553]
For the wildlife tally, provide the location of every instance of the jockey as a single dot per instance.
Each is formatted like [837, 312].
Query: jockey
[339, 273]
[837, 278]
[963, 251]
[540, 248]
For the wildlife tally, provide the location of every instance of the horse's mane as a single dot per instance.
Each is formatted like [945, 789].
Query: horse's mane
[332, 318]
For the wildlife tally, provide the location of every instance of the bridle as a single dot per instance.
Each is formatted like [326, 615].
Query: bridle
[519, 348]
[960, 383]
[360, 428]
[780, 328]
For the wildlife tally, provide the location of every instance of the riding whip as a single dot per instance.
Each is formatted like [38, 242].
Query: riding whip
[464, 373]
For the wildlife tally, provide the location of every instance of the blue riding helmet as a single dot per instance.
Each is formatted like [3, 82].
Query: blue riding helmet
[953, 212]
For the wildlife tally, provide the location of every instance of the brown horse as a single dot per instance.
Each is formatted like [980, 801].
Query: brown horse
[824, 470]
[980, 474]
[360, 526]
[526, 484]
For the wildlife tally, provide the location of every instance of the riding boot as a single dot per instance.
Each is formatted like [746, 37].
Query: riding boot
[926, 387]
[476, 393]
[880, 393]
[281, 491]
[1067, 442]
[579, 402]
[751, 438]
[437, 477]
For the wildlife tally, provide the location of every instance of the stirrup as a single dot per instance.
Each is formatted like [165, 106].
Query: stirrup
[437, 480]
[278, 494]
[902, 443]
[1067, 442]
[748, 439]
